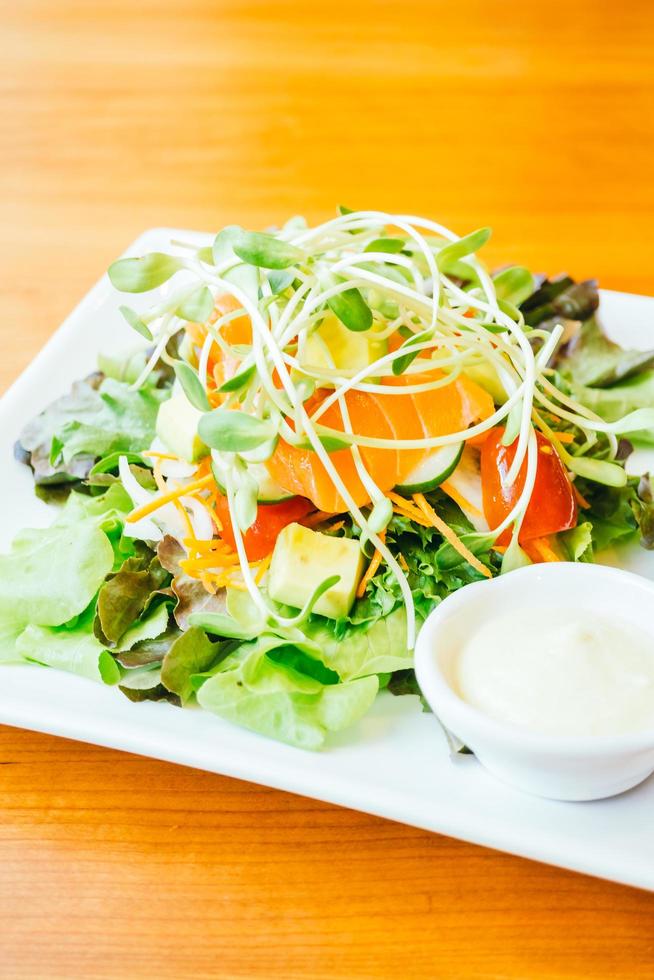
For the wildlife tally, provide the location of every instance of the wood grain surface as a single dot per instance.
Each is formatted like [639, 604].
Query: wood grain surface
[536, 118]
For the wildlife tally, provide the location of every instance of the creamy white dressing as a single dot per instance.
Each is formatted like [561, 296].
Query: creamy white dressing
[561, 672]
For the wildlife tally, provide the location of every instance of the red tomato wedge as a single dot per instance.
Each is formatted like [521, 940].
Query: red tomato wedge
[552, 506]
[259, 540]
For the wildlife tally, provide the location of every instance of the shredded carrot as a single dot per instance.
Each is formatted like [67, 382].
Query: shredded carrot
[450, 536]
[185, 517]
[317, 517]
[163, 488]
[211, 512]
[203, 467]
[167, 498]
[212, 581]
[158, 477]
[200, 564]
[564, 437]
[547, 450]
[407, 508]
[214, 545]
[402, 561]
[263, 568]
[459, 499]
[417, 518]
[399, 501]
[500, 548]
[371, 570]
[542, 548]
[581, 500]
[207, 583]
[155, 455]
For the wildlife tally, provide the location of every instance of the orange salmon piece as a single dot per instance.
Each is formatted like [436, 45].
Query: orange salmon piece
[415, 416]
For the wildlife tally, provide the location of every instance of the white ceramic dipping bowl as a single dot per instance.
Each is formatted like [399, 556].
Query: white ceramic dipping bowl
[562, 767]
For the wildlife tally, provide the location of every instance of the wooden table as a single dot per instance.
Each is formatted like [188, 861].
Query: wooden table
[535, 118]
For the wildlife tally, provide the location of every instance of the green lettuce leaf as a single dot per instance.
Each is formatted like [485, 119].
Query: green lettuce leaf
[611, 512]
[191, 653]
[100, 416]
[591, 359]
[364, 650]
[10, 630]
[150, 627]
[274, 698]
[52, 574]
[122, 420]
[578, 542]
[149, 651]
[75, 650]
[36, 438]
[107, 511]
[126, 594]
[619, 400]
[434, 569]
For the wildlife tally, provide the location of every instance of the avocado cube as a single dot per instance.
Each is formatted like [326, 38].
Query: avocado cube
[177, 427]
[348, 348]
[332, 345]
[303, 558]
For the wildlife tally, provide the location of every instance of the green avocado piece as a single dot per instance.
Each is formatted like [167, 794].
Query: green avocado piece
[303, 558]
[177, 427]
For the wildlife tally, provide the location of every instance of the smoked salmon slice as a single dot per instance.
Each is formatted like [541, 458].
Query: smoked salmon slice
[381, 415]
[436, 412]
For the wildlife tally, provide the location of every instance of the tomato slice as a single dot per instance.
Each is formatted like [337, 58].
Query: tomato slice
[552, 506]
[259, 540]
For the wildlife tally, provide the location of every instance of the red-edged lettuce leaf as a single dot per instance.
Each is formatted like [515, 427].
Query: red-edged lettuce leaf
[191, 595]
[127, 594]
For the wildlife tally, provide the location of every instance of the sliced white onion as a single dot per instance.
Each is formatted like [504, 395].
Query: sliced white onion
[203, 528]
[138, 494]
[148, 528]
[158, 446]
[179, 469]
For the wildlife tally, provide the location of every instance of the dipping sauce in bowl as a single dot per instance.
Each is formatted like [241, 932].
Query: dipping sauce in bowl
[571, 673]
[547, 675]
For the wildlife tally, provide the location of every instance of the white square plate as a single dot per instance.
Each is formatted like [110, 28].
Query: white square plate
[395, 763]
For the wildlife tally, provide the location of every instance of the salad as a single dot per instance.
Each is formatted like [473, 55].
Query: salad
[322, 433]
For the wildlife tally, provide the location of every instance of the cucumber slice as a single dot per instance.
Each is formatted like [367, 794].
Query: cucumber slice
[269, 492]
[432, 470]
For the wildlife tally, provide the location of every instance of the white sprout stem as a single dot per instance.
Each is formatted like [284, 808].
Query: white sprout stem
[373, 491]
[260, 327]
[434, 441]
[345, 384]
[489, 338]
[389, 257]
[348, 384]
[518, 512]
[529, 365]
[204, 358]
[585, 419]
[248, 578]
[166, 334]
